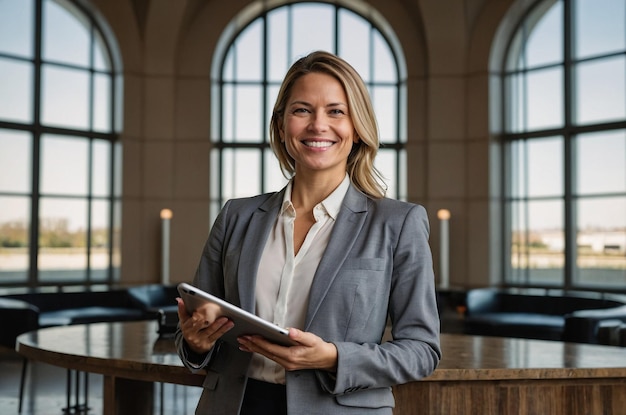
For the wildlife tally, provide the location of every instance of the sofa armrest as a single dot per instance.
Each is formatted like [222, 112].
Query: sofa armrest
[582, 326]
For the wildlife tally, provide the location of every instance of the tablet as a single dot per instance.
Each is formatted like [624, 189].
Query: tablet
[245, 322]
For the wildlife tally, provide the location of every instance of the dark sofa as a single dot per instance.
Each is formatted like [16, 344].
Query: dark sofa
[144, 302]
[535, 314]
[606, 326]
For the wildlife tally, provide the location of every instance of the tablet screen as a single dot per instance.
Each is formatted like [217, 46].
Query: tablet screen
[245, 322]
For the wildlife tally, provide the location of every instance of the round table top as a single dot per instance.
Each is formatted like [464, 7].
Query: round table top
[134, 350]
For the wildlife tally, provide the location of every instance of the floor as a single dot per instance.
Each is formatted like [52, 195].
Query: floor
[46, 386]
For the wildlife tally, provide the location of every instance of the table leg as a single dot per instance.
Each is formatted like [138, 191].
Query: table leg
[127, 397]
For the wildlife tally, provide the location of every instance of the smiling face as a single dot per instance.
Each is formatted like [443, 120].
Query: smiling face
[317, 130]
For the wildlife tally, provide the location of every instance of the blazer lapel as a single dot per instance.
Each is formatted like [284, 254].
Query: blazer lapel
[349, 222]
[261, 224]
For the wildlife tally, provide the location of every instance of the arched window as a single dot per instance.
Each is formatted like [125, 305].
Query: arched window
[58, 187]
[565, 152]
[248, 78]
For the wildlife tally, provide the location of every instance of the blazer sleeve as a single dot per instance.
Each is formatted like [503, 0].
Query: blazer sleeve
[414, 350]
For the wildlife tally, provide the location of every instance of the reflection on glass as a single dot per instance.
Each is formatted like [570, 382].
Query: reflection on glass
[64, 165]
[65, 97]
[601, 165]
[65, 35]
[16, 28]
[16, 91]
[14, 239]
[537, 242]
[537, 167]
[600, 27]
[62, 239]
[15, 162]
[313, 28]
[601, 90]
[248, 53]
[601, 242]
[544, 91]
[240, 172]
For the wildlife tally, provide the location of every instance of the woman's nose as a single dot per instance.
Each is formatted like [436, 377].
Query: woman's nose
[319, 121]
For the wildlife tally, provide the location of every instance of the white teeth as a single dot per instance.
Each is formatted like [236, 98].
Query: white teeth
[319, 144]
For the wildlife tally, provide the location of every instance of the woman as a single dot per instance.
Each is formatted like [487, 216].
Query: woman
[328, 256]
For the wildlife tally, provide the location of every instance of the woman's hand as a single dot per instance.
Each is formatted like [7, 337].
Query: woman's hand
[311, 353]
[202, 328]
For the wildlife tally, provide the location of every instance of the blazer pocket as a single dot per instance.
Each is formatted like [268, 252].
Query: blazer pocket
[374, 264]
[368, 398]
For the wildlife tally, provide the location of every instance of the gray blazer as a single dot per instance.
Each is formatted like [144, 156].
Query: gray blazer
[377, 265]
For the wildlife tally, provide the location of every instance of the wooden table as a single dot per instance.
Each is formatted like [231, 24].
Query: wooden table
[477, 375]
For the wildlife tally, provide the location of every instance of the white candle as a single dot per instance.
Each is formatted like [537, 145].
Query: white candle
[166, 216]
[444, 248]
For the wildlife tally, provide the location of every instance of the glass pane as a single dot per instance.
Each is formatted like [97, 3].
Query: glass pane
[101, 168]
[545, 41]
[386, 162]
[99, 256]
[309, 19]
[249, 48]
[116, 255]
[274, 179]
[100, 55]
[64, 165]
[385, 102]
[545, 99]
[102, 103]
[601, 87]
[65, 35]
[538, 242]
[62, 239]
[65, 97]
[248, 106]
[537, 168]
[15, 161]
[601, 240]
[402, 182]
[272, 93]
[16, 90]
[352, 26]
[276, 45]
[241, 173]
[385, 68]
[16, 28]
[600, 27]
[516, 103]
[14, 239]
[228, 114]
[601, 162]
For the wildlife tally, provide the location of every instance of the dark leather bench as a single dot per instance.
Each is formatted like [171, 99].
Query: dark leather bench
[533, 314]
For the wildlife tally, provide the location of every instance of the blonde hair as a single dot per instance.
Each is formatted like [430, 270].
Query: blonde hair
[360, 167]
